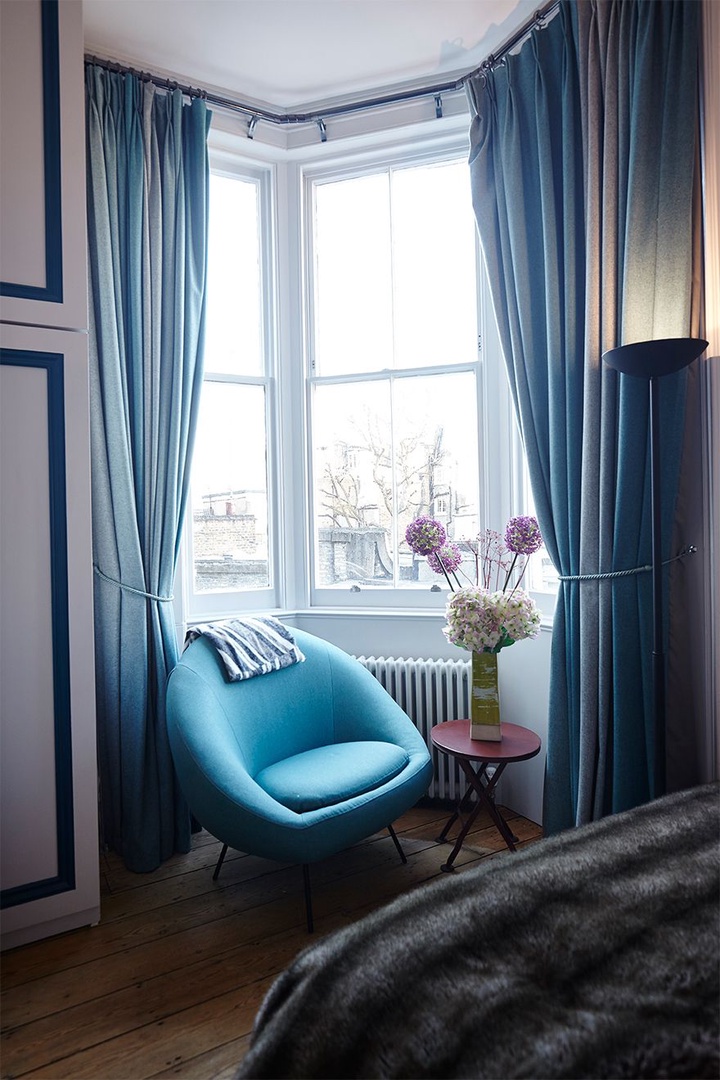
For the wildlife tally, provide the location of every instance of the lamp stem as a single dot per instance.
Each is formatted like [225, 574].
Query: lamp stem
[658, 654]
[651, 360]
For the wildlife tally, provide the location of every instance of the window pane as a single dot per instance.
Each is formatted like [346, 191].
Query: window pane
[395, 270]
[436, 446]
[233, 335]
[384, 453]
[353, 483]
[434, 274]
[229, 490]
[353, 276]
[540, 576]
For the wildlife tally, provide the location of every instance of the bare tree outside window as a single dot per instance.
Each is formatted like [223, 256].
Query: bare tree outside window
[375, 477]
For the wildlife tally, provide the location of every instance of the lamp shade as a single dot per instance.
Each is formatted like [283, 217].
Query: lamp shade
[647, 359]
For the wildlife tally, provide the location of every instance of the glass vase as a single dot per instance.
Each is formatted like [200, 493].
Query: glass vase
[484, 698]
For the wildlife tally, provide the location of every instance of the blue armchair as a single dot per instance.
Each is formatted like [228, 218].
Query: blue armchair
[297, 764]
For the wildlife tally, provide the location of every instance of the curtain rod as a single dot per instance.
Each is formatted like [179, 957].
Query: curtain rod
[258, 112]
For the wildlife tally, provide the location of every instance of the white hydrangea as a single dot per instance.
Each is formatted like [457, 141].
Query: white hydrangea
[484, 621]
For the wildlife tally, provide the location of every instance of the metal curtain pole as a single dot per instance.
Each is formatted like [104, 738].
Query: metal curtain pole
[651, 360]
[257, 111]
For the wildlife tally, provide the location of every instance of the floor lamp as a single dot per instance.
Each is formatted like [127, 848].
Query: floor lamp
[651, 360]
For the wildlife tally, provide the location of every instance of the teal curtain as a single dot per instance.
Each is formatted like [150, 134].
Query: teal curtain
[147, 194]
[582, 164]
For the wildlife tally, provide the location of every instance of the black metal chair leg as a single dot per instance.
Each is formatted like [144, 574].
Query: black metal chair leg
[396, 842]
[223, 853]
[308, 898]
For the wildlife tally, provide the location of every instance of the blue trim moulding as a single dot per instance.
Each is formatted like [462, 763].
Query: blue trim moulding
[52, 290]
[64, 880]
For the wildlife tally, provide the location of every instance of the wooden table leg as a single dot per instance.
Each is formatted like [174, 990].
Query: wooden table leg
[459, 809]
[497, 817]
[483, 792]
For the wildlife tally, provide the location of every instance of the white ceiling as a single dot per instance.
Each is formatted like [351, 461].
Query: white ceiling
[290, 54]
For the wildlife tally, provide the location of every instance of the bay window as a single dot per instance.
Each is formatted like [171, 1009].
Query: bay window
[353, 381]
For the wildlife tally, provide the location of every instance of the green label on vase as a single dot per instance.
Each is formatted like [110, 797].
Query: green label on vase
[484, 698]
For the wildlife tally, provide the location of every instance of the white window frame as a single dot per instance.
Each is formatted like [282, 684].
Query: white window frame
[498, 485]
[207, 605]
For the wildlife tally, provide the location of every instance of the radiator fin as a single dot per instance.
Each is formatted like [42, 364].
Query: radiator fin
[430, 692]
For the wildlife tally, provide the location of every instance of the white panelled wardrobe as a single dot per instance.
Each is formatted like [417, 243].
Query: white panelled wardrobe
[49, 874]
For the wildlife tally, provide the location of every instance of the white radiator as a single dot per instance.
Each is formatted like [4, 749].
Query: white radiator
[430, 692]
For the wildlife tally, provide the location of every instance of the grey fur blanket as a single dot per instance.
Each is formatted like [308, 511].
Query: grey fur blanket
[590, 954]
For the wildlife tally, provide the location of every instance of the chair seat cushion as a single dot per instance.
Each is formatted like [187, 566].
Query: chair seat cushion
[331, 774]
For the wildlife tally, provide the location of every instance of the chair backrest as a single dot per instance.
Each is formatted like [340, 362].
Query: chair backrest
[268, 717]
[327, 698]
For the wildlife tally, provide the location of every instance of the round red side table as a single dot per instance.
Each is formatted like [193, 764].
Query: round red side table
[453, 738]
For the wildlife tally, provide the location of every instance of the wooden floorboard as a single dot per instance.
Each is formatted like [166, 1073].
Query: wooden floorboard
[169, 983]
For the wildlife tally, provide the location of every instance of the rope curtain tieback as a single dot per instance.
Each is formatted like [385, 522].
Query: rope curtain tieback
[129, 588]
[689, 550]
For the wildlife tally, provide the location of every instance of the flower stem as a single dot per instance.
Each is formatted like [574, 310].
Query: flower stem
[512, 567]
[522, 574]
[447, 576]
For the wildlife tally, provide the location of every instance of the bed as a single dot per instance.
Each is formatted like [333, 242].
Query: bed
[593, 953]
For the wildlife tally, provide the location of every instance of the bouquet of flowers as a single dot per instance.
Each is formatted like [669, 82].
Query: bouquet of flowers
[485, 615]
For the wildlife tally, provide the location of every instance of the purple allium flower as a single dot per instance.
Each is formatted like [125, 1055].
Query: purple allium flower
[522, 535]
[445, 559]
[425, 535]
